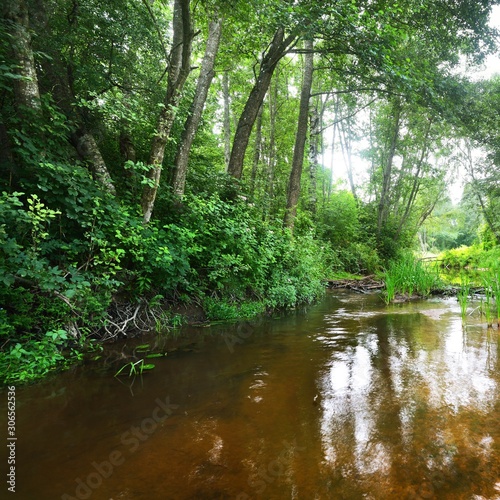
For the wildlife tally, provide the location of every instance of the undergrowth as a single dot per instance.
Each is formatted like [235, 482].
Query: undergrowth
[66, 267]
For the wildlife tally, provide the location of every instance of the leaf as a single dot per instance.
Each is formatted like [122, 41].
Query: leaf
[70, 293]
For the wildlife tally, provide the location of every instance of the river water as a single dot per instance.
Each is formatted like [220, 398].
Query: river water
[348, 399]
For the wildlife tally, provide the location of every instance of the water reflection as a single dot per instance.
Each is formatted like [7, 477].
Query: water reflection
[349, 400]
[407, 410]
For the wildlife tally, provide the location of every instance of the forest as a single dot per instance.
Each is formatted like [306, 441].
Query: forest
[164, 156]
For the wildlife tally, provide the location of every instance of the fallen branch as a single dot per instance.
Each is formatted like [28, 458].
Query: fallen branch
[364, 285]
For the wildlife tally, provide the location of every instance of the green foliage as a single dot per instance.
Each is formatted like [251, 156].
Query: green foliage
[219, 250]
[359, 258]
[338, 220]
[224, 310]
[29, 360]
[460, 258]
[452, 226]
[69, 249]
[408, 276]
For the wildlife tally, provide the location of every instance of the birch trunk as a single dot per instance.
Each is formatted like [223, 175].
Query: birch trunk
[193, 120]
[178, 72]
[383, 206]
[257, 150]
[346, 146]
[89, 151]
[293, 193]
[314, 149]
[227, 118]
[26, 90]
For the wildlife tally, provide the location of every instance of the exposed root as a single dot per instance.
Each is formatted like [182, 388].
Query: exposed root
[128, 320]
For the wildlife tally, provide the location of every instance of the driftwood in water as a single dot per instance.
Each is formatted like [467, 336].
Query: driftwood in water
[364, 285]
[369, 284]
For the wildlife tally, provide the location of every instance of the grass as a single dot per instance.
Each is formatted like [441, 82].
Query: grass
[408, 276]
[463, 296]
[495, 288]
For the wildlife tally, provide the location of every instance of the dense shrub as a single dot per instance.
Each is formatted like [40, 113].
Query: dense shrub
[64, 260]
[474, 257]
[460, 258]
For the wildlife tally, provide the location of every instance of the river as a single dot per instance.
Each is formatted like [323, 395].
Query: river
[346, 399]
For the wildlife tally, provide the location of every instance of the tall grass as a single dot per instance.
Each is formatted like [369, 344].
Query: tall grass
[487, 303]
[495, 289]
[408, 276]
[463, 296]
[390, 288]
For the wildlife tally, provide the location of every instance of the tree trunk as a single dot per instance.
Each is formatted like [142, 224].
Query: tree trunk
[416, 180]
[59, 83]
[227, 119]
[257, 150]
[474, 184]
[178, 72]
[345, 144]
[193, 120]
[127, 149]
[88, 149]
[300, 138]
[271, 157]
[277, 49]
[314, 149]
[383, 205]
[26, 91]
[335, 126]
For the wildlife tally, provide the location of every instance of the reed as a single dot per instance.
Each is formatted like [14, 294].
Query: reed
[495, 290]
[463, 296]
[488, 295]
[390, 288]
[135, 368]
[408, 276]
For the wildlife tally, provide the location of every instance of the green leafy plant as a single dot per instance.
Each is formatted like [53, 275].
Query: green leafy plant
[29, 360]
[135, 368]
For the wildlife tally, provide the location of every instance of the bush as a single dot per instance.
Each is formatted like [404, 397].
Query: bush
[460, 258]
[359, 258]
[32, 359]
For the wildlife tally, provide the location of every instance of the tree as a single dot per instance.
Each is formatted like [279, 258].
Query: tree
[196, 109]
[277, 49]
[15, 15]
[409, 151]
[178, 71]
[300, 137]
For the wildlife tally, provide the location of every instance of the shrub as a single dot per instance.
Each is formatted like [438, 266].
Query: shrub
[32, 359]
[460, 258]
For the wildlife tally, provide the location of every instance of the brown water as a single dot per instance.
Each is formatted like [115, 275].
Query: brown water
[347, 400]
